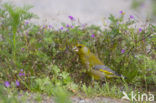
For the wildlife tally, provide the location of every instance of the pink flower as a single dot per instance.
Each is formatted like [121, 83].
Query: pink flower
[140, 29]
[22, 49]
[44, 26]
[83, 26]
[71, 18]
[72, 26]
[17, 83]
[50, 26]
[7, 84]
[26, 22]
[61, 28]
[67, 25]
[121, 12]
[131, 16]
[21, 74]
[123, 51]
[93, 35]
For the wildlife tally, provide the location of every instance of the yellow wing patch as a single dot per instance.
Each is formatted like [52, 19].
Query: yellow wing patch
[106, 72]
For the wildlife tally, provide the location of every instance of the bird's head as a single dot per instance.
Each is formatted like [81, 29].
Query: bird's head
[81, 49]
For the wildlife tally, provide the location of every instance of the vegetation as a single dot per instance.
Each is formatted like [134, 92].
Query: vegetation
[40, 59]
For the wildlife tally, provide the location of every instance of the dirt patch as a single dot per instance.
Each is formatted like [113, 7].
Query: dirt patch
[33, 98]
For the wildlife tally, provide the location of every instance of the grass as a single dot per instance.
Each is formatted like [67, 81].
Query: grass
[40, 58]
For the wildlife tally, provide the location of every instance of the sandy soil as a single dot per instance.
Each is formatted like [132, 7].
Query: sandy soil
[31, 98]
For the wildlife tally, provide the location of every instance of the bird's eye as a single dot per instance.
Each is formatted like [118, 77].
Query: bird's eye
[79, 46]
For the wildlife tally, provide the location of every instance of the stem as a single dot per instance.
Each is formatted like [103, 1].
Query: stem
[145, 74]
[14, 44]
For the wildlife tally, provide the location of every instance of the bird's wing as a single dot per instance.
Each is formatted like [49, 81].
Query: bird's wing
[104, 69]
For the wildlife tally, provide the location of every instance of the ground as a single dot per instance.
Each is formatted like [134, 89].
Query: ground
[46, 99]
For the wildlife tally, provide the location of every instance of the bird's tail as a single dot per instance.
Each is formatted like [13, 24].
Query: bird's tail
[121, 76]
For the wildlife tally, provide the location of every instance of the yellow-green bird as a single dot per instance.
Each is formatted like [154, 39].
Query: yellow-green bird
[95, 68]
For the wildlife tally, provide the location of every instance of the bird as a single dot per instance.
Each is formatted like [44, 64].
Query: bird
[95, 67]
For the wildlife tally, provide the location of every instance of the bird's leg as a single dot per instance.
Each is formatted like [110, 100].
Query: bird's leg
[94, 83]
[102, 83]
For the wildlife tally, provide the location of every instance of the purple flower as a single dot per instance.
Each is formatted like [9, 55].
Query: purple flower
[83, 26]
[7, 84]
[131, 16]
[50, 26]
[44, 26]
[26, 22]
[93, 35]
[22, 49]
[21, 70]
[17, 83]
[123, 51]
[21, 74]
[71, 18]
[72, 26]
[117, 23]
[26, 33]
[67, 25]
[140, 29]
[61, 28]
[121, 12]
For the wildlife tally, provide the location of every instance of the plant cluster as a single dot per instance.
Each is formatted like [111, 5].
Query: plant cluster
[40, 58]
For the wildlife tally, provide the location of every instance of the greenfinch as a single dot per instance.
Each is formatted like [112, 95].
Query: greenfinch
[95, 68]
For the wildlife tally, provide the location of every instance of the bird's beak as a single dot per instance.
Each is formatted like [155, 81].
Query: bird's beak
[75, 49]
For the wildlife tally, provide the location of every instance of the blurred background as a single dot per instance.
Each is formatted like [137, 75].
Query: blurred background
[88, 11]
